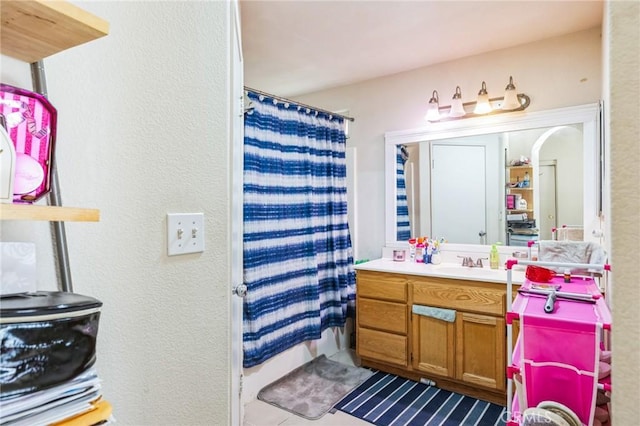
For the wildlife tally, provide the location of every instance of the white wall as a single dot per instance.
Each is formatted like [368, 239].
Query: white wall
[559, 72]
[143, 131]
[622, 91]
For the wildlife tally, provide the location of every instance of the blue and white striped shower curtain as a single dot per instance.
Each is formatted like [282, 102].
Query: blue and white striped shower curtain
[298, 262]
[403, 224]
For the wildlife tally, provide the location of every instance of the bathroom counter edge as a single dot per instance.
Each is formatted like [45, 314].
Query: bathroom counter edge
[443, 270]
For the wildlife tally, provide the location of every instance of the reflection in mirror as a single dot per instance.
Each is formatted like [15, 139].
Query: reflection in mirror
[512, 182]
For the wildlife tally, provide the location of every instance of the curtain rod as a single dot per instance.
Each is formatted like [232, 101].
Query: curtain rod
[280, 98]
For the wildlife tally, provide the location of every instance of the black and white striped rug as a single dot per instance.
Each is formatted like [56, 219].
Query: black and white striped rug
[388, 400]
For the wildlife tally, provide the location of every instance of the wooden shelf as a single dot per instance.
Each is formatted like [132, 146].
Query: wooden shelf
[34, 29]
[48, 213]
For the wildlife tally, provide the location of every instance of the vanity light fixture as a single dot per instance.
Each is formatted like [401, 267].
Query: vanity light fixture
[482, 104]
[457, 109]
[511, 101]
[433, 109]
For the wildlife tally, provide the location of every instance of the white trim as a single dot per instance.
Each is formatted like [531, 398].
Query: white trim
[495, 124]
[236, 141]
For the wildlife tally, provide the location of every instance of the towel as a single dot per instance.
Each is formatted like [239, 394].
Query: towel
[573, 234]
[438, 313]
[571, 252]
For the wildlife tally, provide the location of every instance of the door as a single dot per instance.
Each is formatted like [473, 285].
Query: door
[434, 346]
[458, 197]
[480, 359]
[237, 165]
[548, 207]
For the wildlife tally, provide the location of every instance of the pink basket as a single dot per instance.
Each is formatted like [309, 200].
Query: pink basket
[31, 125]
[558, 353]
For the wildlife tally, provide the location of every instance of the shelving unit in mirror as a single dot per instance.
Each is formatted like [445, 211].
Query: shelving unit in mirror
[521, 220]
[520, 183]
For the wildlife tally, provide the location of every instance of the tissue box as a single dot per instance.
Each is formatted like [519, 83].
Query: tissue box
[17, 268]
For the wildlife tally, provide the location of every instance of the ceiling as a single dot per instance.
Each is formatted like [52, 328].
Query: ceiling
[296, 47]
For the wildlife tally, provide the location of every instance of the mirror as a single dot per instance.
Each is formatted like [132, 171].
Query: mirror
[464, 180]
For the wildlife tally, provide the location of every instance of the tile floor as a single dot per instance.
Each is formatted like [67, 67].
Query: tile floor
[258, 413]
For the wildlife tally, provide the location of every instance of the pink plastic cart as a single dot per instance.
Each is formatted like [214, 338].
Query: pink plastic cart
[557, 353]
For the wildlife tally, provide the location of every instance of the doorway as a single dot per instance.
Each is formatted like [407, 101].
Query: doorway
[548, 202]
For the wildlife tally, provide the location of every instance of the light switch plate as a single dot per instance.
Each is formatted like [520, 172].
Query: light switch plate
[185, 233]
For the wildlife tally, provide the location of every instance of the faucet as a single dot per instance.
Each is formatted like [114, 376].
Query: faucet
[468, 261]
[479, 261]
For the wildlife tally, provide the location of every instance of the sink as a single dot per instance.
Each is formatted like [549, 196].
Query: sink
[465, 271]
[452, 270]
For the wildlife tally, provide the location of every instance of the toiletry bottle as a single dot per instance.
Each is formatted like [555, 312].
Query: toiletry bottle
[522, 204]
[436, 259]
[567, 275]
[494, 257]
[412, 249]
[420, 250]
[427, 253]
[525, 180]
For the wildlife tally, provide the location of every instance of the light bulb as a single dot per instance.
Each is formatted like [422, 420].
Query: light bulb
[482, 105]
[433, 109]
[511, 100]
[457, 108]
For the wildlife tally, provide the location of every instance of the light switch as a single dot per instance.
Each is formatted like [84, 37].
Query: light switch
[185, 233]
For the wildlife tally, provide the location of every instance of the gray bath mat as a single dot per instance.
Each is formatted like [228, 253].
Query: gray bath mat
[311, 390]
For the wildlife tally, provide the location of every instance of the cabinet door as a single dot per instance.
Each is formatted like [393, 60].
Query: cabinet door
[434, 346]
[480, 359]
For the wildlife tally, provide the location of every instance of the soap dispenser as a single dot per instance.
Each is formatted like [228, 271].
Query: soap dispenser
[494, 257]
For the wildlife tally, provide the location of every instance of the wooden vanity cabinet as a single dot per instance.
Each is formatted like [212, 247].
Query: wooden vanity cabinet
[475, 342]
[465, 356]
[382, 320]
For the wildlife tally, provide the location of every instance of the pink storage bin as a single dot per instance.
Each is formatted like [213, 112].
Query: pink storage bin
[31, 125]
[560, 383]
[558, 353]
[552, 339]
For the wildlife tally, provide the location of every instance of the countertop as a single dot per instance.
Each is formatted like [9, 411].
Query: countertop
[443, 270]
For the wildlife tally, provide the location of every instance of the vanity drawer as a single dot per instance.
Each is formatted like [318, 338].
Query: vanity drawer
[385, 347]
[461, 295]
[382, 315]
[380, 285]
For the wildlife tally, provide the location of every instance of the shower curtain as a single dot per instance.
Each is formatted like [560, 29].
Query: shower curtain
[298, 262]
[403, 224]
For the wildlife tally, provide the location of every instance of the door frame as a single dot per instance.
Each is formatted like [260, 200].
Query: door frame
[545, 231]
[236, 139]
